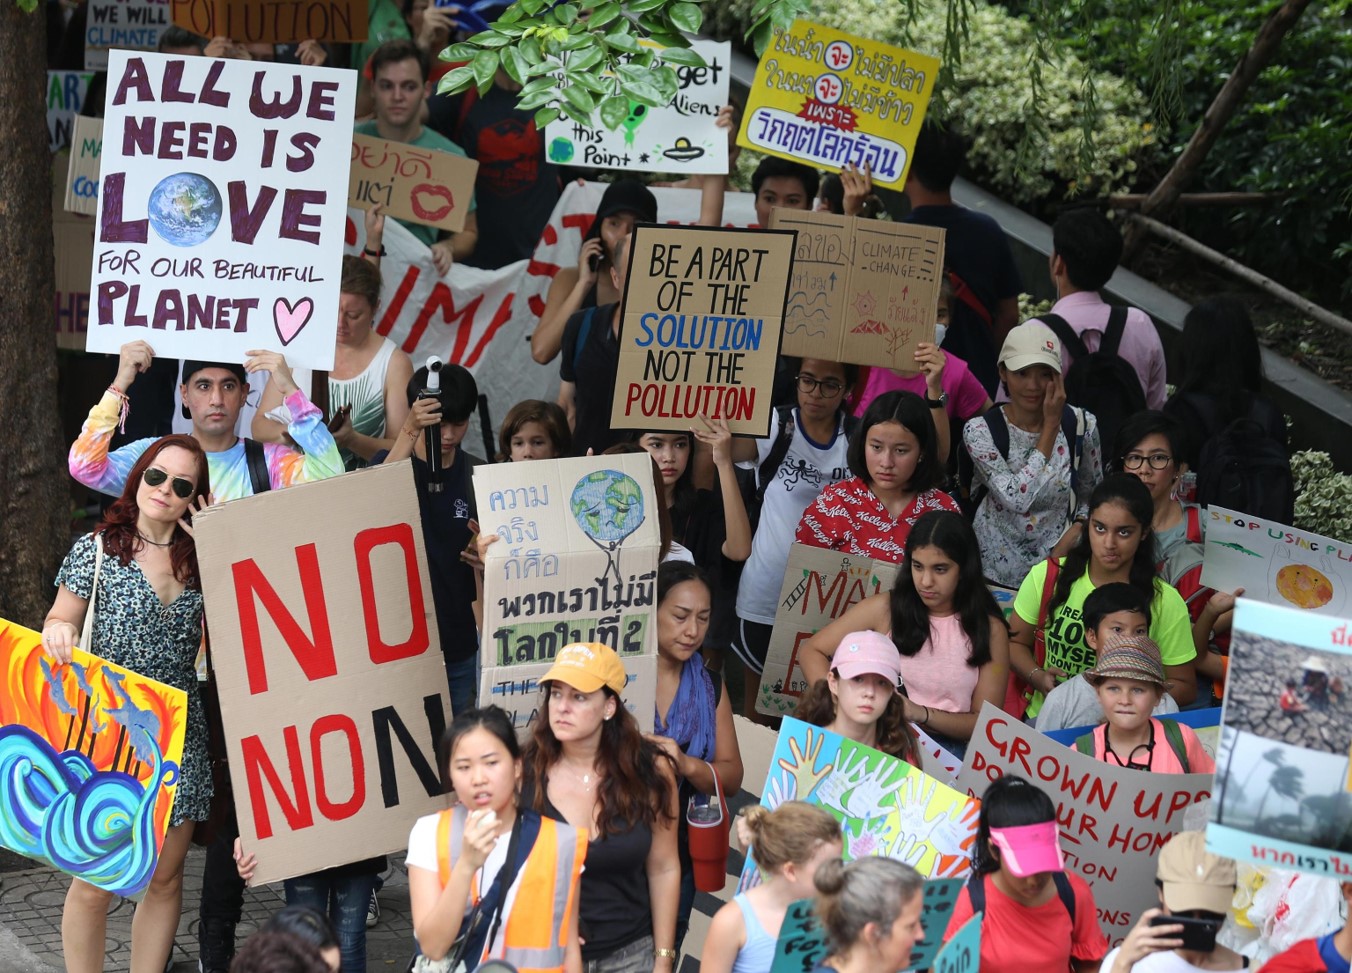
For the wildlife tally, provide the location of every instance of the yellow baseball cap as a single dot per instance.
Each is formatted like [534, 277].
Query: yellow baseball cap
[587, 666]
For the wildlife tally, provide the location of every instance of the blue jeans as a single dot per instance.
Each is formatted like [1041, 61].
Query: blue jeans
[463, 678]
[343, 899]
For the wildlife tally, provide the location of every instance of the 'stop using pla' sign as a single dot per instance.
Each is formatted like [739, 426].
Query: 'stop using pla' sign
[222, 208]
[829, 98]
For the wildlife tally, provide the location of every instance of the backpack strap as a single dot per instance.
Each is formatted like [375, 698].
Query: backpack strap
[1117, 327]
[583, 330]
[995, 420]
[1072, 342]
[444, 847]
[1040, 633]
[767, 470]
[976, 893]
[1072, 427]
[964, 293]
[1192, 515]
[1176, 743]
[1066, 893]
[1085, 744]
[257, 462]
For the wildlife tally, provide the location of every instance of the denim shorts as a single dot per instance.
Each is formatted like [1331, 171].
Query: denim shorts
[637, 957]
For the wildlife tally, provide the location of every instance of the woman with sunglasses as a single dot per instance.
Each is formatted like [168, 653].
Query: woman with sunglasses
[147, 618]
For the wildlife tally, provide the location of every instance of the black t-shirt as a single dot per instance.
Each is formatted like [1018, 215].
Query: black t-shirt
[591, 368]
[516, 187]
[700, 525]
[975, 248]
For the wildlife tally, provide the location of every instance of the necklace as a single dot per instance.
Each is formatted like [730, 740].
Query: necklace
[587, 780]
[168, 543]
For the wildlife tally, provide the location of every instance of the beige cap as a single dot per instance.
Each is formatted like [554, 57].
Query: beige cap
[1031, 343]
[1193, 878]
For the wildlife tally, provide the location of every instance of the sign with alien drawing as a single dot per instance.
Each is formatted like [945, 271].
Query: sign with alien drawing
[89, 756]
[679, 137]
[1275, 563]
[576, 561]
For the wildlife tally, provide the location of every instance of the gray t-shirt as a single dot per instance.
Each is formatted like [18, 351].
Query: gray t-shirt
[1075, 703]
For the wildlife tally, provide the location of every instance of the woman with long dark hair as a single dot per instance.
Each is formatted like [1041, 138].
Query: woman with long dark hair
[140, 566]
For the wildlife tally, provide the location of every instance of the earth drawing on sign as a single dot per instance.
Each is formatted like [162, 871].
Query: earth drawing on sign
[608, 506]
[185, 209]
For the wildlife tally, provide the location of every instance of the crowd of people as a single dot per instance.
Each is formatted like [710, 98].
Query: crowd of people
[1044, 457]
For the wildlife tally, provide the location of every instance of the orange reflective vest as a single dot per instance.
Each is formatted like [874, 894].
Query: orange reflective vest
[534, 934]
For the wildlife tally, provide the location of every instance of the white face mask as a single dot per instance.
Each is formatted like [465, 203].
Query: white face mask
[939, 331]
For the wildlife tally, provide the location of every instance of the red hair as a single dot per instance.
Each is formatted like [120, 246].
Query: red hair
[121, 538]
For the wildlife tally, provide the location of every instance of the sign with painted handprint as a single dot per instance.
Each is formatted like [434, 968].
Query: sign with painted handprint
[89, 757]
[575, 561]
[885, 805]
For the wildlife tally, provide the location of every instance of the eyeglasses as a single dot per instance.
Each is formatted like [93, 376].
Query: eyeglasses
[1157, 461]
[828, 388]
[183, 488]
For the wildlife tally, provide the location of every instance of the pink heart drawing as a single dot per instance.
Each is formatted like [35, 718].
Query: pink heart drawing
[290, 318]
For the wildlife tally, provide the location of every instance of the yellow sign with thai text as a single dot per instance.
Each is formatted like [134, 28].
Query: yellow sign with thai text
[830, 99]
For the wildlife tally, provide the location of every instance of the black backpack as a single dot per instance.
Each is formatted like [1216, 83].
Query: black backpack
[1242, 468]
[754, 484]
[969, 498]
[1101, 382]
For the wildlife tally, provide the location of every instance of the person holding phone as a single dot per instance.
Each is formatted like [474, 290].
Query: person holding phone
[1195, 889]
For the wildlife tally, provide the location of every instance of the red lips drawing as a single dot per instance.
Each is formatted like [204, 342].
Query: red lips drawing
[432, 194]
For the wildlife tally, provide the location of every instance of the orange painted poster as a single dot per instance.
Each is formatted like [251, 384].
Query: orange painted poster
[89, 758]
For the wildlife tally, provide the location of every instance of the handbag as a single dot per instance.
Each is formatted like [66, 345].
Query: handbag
[87, 633]
[707, 826]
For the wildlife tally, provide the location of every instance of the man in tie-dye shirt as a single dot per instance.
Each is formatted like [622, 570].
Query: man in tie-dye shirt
[213, 394]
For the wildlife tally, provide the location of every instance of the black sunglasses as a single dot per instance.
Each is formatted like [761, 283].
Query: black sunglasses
[183, 488]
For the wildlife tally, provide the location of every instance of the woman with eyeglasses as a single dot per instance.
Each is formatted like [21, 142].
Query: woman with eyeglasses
[806, 452]
[147, 618]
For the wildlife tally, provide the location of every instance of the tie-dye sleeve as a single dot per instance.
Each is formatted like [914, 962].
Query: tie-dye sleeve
[90, 461]
[320, 458]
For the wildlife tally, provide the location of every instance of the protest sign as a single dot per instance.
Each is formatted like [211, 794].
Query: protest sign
[274, 21]
[935, 759]
[89, 762]
[885, 806]
[700, 327]
[73, 246]
[424, 186]
[819, 584]
[127, 24]
[1275, 563]
[82, 179]
[1113, 820]
[679, 137]
[577, 562]
[222, 208]
[830, 99]
[863, 291]
[962, 953]
[1282, 785]
[65, 97]
[332, 681]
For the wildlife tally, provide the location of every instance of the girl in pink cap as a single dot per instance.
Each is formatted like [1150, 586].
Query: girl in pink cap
[859, 700]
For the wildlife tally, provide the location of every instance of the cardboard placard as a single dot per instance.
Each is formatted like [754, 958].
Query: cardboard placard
[962, 953]
[1113, 821]
[863, 291]
[1275, 563]
[125, 24]
[700, 327]
[326, 653]
[89, 757]
[935, 759]
[819, 584]
[1283, 793]
[424, 186]
[82, 178]
[275, 21]
[678, 137]
[222, 208]
[577, 562]
[829, 99]
[73, 246]
[65, 97]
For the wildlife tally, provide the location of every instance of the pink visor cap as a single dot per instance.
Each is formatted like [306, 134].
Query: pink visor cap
[1030, 849]
[867, 652]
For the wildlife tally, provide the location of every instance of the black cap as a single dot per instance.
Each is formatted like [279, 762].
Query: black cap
[191, 367]
[459, 393]
[628, 196]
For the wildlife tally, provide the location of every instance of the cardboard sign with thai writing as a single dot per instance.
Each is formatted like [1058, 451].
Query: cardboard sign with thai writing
[831, 99]
[679, 137]
[863, 291]
[962, 953]
[419, 185]
[274, 21]
[576, 562]
[700, 326]
[1275, 563]
[65, 97]
[326, 653]
[82, 178]
[222, 208]
[819, 585]
[1113, 821]
[1282, 784]
[89, 763]
[125, 24]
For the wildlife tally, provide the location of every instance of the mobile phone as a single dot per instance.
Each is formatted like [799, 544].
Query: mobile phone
[594, 262]
[1198, 934]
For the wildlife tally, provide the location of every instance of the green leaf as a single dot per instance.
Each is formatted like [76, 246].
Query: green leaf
[641, 6]
[761, 36]
[589, 81]
[614, 111]
[576, 42]
[514, 64]
[485, 65]
[532, 7]
[511, 15]
[530, 50]
[686, 16]
[564, 13]
[632, 72]
[682, 56]
[494, 41]
[578, 98]
[591, 57]
[645, 92]
[544, 116]
[539, 84]
[460, 52]
[536, 99]
[457, 79]
[623, 42]
[603, 15]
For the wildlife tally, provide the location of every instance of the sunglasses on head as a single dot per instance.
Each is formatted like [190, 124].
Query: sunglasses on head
[183, 488]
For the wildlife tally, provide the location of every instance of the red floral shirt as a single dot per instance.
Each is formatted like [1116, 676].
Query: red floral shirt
[849, 517]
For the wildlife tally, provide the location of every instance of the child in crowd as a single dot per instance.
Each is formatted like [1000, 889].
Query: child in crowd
[534, 429]
[859, 700]
[789, 844]
[1037, 916]
[950, 633]
[1129, 681]
[1114, 611]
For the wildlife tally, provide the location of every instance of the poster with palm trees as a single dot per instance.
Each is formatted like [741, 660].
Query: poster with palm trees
[1282, 767]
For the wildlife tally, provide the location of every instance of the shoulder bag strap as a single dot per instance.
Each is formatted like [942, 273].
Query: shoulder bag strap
[1117, 327]
[1040, 634]
[257, 462]
[1072, 342]
[87, 632]
[1176, 743]
[1067, 894]
[778, 451]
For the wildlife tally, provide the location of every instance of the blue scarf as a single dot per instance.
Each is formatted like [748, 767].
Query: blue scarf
[692, 720]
